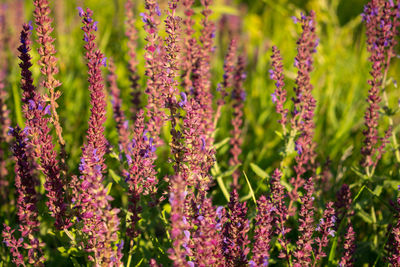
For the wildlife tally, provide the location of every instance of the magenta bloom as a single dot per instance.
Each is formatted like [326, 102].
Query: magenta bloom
[263, 232]
[235, 240]
[90, 196]
[41, 140]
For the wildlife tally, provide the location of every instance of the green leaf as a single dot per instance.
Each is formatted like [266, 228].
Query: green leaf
[109, 188]
[139, 263]
[230, 171]
[391, 183]
[75, 262]
[257, 170]
[378, 190]
[251, 189]
[280, 134]
[223, 187]
[115, 176]
[220, 144]
[365, 216]
[287, 185]
[62, 250]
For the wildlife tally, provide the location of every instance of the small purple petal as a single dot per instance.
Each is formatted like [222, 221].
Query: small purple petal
[81, 12]
[47, 110]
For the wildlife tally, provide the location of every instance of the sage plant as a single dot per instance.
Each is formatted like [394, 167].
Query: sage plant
[207, 239]
[279, 95]
[263, 232]
[100, 221]
[304, 105]
[238, 97]
[302, 255]
[48, 61]
[37, 113]
[155, 102]
[382, 21]
[131, 34]
[25, 181]
[235, 239]
[5, 121]
[119, 116]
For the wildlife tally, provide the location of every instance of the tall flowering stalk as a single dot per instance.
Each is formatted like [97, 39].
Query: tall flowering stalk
[325, 228]
[119, 116]
[131, 33]
[235, 239]
[170, 83]
[343, 213]
[36, 115]
[202, 75]
[207, 238]
[199, 160]
[279, 95]
[343, 204]
[180, 234]
[27, 200]
[141, 175]
[100, 221]
[280, 214]
[238, 97]
[394, 241]
[189, 48]
[155, 102]
[227, 82]
[5, 121]
[304, 105]
[302, 255]
[350, 247]
[48, 61]
[382, 21]
[263, 232]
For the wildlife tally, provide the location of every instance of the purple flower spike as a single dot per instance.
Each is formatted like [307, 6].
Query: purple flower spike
[100, 220]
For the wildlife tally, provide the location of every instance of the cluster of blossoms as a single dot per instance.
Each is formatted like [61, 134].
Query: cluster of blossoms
[179, 97]
[381, 20]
